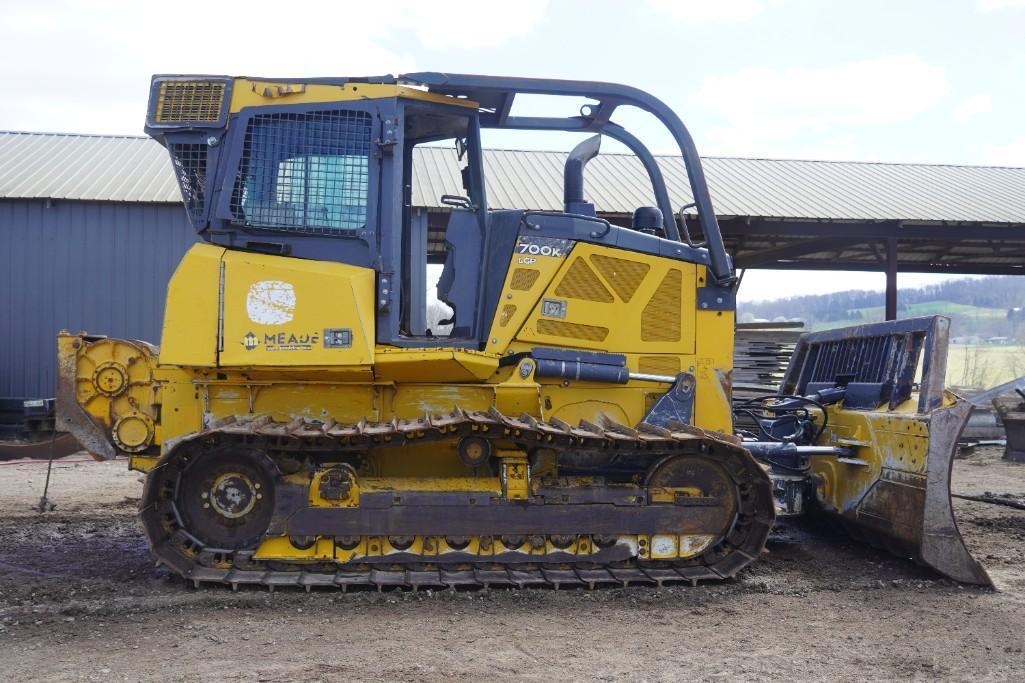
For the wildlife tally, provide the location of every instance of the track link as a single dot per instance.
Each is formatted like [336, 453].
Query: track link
[175, 547]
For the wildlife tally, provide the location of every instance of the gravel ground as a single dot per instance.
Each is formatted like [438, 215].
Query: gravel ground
[80, 599]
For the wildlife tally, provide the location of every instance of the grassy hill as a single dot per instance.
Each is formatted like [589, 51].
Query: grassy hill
[977, 308]
[966, 313]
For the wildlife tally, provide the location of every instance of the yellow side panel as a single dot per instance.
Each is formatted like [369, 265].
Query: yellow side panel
[608, 299]
[530, 272]
[713, 369]
[434, 365]
[589, 402]
[292, 312]
[411, 401]
[189, 336]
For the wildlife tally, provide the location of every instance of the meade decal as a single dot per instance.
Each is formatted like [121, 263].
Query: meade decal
[250, 341]
[282, 341]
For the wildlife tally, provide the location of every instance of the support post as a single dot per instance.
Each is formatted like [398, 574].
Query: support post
[891, 278]
[417, 284]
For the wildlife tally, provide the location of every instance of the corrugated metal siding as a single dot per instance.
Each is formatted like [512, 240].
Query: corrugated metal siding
[126, 168]
[764, 188]
[100, 267]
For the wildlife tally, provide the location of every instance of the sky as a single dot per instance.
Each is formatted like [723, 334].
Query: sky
[932, 81]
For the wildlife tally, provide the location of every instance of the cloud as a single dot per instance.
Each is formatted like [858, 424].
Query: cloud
[991, 5]
[710, 11]
[113, 46]
[762, 106]
[1007, 154]
[481, 24]
[972, 107]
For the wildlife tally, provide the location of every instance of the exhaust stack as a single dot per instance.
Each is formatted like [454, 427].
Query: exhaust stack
[573, 177]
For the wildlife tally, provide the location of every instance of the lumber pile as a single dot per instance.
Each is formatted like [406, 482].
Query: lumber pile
[761, 353]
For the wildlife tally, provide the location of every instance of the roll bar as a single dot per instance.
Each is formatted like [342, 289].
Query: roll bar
[495, 94]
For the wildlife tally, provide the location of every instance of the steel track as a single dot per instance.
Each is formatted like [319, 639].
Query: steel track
[174, 547]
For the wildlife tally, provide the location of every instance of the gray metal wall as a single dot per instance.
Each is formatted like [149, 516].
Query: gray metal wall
[96, 266]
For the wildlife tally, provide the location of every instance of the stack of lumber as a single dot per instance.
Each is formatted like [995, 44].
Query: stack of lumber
[761, 353]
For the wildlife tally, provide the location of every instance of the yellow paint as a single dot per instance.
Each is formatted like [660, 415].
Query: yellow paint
[486, 486]
[276, 311]
[247, 92]
[711, 366]
[409, 400]
[350, 500]
[515, 474]
[378, 383]
[142, 463]
[662, 546]
[525, 281]
[894, 442]
[280, 548]
[193, 382]
[192, 304]
[599, 318]
[434, 365]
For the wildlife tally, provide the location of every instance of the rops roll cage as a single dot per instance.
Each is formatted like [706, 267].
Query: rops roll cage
[495, 95]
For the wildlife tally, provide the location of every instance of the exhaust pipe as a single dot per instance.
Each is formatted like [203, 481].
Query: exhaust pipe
[573, 177]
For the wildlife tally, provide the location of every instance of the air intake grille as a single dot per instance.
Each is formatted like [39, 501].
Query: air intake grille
[305, 172]
[557, 328]
[660, 320]
[659, 365]
[580, 282]
[624, 276]
[190, 101]
[190, 166]
[524, 278]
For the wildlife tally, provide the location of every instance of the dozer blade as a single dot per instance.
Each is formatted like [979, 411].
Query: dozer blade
[901, 428]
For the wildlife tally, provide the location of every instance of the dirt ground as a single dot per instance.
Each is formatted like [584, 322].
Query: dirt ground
[80, 599]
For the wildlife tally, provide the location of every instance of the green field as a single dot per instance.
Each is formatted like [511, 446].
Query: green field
[874, 314]
[984, 366]
[935, 308]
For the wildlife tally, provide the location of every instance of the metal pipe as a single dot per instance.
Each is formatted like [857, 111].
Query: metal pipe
[842, 451]
[573, 174]
[647, 377]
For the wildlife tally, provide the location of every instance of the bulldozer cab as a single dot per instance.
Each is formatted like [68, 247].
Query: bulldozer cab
[325, 169]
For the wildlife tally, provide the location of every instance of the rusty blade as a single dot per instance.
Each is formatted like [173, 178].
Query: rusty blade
[912, 516]
[943, 548]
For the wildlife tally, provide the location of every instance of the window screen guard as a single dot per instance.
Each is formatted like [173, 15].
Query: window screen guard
[189, 161]
[304, 172]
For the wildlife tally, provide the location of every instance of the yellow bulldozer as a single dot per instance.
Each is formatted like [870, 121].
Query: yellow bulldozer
[303, 423]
